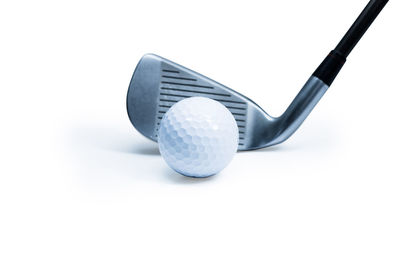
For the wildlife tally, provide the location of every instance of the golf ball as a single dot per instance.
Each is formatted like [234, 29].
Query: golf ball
[198, 137]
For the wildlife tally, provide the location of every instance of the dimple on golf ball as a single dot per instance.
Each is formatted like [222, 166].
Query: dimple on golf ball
[198, 137]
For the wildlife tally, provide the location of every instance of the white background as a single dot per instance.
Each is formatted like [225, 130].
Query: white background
[78, 184]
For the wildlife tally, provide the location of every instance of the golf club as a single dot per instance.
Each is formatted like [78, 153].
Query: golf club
[158, 83]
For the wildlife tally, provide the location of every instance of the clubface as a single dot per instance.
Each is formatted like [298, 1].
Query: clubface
[158, 83]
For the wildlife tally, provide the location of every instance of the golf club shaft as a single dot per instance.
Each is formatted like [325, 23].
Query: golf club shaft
[334, 62]
[323, 77]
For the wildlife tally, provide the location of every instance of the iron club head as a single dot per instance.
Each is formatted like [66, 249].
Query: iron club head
[158, 83]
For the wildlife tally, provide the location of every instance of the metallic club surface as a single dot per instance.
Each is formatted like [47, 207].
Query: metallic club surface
[157, 84]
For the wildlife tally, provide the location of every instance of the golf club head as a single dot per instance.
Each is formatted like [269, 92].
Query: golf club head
[158, 83]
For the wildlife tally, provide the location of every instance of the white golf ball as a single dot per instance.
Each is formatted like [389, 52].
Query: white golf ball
[198, 137]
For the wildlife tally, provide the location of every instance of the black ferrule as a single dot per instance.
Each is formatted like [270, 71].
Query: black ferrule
[330, 67]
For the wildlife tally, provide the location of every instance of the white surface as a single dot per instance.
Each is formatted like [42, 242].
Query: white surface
[198, 137]
[78, 185]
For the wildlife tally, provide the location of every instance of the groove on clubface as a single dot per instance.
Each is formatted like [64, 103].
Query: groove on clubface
[170, 71]
[194, 91]
[186, 84]
[179, 78]
[176, 85]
